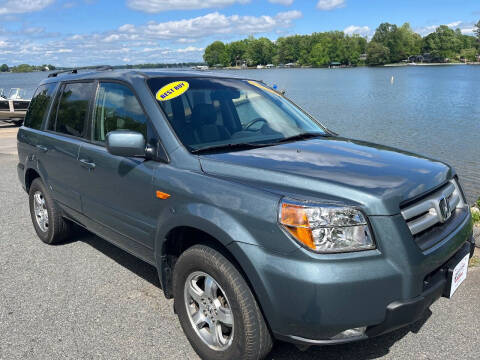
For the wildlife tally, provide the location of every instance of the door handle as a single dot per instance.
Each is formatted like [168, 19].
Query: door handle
[41, 148]
[87, 164]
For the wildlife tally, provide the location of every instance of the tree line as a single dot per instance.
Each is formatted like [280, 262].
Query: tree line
[26, 68]
[389, 44]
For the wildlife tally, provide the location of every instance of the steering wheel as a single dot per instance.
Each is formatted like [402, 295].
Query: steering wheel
[254, 121]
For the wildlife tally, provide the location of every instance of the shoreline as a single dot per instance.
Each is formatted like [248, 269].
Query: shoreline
[429, 64]
[285, 68]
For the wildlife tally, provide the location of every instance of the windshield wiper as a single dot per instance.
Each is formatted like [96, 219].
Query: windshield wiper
[237, 146]
[302, 136]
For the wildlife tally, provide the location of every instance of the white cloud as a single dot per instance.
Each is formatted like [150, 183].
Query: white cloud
[327, 5]
[156, 6]
[360, 30]
[282, 2]
[190, 49]
[215, 24]
[24, 6]
[152, 42]
[127, 28]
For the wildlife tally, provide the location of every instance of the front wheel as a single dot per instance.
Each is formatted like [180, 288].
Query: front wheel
[216, 308]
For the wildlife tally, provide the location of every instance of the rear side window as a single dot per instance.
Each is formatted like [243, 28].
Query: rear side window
[117, 108]
[39, 106]
[72, 112]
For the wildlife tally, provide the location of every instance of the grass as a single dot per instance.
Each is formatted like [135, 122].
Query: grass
[474, 261]
[476, 217]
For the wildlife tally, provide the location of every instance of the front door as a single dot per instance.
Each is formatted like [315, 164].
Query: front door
[118, 196]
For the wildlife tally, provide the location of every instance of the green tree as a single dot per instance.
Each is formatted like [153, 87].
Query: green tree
[260, 51]
[319, 54]
[401, 41]
[444, 41]
[237, 51]
[215, 54]
[4, 68]
[288, 49]
[477, 30]
[23, 68]
[469, 54]
[377, 54]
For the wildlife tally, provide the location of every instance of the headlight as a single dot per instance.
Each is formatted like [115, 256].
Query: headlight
[325, 228]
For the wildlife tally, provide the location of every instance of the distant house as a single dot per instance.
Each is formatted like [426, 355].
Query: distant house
[363, 57]
[416, 59]
[429, 58]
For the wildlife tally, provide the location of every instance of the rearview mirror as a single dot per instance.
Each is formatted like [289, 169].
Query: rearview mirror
[125, 143]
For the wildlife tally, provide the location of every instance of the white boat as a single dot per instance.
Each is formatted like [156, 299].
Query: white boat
[14, 106]
[200, 67]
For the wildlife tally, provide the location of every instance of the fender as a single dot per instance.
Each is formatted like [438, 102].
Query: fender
[206, 218]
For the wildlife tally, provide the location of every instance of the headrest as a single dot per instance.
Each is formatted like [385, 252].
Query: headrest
[203, 114]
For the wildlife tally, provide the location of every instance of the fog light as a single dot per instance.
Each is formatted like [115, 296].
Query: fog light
[350, 333]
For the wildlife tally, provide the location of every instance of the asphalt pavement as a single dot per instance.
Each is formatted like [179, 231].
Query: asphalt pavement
[86, 299]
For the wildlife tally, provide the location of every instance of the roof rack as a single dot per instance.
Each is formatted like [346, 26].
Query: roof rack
[75, 71]
[72, 71]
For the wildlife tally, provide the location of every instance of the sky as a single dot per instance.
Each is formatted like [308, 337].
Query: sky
[116, 32]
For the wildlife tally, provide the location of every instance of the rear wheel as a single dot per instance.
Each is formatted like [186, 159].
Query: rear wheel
[216, 308]
[47, 218]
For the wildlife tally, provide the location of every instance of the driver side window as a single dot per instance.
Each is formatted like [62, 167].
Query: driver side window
[117, 108]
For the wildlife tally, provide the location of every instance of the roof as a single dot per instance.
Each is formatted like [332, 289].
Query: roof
[131, 74]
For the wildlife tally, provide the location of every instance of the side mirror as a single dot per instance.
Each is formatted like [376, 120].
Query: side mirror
[125, 143]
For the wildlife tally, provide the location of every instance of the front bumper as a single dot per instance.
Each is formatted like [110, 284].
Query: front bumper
[310, 298]
[402, 313]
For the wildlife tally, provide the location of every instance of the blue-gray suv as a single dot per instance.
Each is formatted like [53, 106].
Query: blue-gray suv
[262, 223]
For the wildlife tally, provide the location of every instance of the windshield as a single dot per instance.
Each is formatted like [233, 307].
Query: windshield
[209, 112]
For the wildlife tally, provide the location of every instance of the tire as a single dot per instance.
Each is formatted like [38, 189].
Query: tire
[42, 207]
[248, 338]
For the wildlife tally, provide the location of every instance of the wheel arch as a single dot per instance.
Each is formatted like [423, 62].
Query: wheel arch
[30, 175]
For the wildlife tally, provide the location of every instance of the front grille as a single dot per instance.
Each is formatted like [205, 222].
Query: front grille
[434, 212]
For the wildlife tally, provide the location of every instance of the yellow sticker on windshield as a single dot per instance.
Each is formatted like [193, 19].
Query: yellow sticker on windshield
[172, 90]
[260, 86]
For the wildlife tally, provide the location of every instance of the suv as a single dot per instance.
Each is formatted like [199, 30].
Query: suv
[262, 223]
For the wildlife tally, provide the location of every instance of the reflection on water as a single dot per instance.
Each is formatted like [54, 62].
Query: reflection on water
[433, 111]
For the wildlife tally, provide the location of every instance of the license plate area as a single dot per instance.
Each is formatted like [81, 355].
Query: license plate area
[456, 274]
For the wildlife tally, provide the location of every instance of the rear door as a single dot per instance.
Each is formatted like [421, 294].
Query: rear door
[117, 192]
[66, 130]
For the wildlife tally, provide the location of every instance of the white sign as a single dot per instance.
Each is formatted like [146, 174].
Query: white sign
[459, 274]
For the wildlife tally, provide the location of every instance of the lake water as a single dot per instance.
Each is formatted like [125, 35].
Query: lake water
[434, 111]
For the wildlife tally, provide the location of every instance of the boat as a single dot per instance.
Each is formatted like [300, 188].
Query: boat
[200, 67]
[16, 96]
[14, 106]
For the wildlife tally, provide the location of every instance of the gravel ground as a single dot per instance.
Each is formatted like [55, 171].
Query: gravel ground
[86, 299]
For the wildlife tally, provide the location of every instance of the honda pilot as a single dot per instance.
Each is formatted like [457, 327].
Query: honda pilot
[263, 224]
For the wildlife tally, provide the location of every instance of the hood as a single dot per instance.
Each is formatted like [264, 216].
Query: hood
[375, 177]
